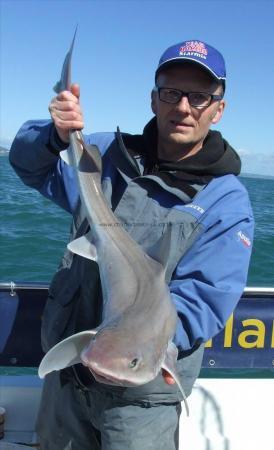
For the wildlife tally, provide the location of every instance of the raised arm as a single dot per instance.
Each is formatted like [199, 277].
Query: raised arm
[34, 154]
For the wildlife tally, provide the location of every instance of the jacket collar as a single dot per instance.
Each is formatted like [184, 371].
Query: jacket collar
[216, 158]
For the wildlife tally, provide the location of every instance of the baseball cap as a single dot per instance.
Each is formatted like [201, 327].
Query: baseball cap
[198, 52]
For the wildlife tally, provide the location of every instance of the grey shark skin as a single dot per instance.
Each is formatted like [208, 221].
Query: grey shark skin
[134, 340]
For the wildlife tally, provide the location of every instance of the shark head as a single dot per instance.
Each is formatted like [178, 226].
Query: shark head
[114, 360]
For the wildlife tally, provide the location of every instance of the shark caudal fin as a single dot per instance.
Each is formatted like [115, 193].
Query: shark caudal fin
[65, 81]
[65, 353]
[170, 366]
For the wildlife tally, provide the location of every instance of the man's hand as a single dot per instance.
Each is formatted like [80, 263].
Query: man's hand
[167, 377]
[66, 112]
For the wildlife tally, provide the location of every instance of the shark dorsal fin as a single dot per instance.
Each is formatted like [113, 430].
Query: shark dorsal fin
[95, 154]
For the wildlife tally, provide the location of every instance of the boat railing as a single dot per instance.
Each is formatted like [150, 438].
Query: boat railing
[245, 348]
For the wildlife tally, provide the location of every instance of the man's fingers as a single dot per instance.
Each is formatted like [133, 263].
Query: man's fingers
[67, 96]
[73, 94]
[75, 90]
[66, 113]
[67, 119]
[65, 105]
[68, 125]
[167, 377]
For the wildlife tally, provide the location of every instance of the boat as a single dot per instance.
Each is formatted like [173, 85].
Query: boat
[244, 350]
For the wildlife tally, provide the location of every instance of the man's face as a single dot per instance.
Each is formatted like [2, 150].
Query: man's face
[182, 128]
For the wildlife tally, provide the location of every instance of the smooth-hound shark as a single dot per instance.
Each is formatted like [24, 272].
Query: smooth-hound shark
[134, 341]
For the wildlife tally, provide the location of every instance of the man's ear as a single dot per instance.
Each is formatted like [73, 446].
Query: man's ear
[153, 101]
[219, 112]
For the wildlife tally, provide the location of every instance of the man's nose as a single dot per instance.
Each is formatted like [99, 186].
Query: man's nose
[183, 105]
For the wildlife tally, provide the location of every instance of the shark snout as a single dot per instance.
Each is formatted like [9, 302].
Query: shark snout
[109, 376]
[120, 369]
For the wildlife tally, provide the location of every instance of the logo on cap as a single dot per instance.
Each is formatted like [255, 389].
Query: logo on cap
[194, 48]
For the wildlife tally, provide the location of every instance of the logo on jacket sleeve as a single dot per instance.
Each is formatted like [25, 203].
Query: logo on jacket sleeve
[196, 207]
[244, 239]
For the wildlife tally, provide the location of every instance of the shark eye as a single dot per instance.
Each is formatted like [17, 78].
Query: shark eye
[133, 363]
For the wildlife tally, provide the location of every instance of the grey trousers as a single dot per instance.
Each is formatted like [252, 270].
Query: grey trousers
[71, 418]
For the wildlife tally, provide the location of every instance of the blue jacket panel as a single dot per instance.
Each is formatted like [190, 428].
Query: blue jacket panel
[212, 274]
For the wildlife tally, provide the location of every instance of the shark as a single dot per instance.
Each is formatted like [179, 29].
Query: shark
[134, 341]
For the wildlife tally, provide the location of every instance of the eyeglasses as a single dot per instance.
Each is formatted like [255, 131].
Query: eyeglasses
[195, 99]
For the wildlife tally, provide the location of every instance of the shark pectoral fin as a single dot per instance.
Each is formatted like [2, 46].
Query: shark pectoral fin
[83, 247]
[65, 156]
[169, 365]
[65, 353]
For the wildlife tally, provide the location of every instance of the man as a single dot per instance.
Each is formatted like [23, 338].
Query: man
[177, 173]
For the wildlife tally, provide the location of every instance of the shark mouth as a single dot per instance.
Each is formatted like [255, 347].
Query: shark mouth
[111, 380]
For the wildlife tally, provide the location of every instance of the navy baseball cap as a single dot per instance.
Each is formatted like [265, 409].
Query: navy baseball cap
[198, 52]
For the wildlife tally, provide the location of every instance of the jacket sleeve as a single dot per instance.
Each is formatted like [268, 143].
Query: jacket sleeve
[209, 280]
[34, 155]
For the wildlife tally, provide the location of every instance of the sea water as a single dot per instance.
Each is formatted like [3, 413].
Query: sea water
[34, 231]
